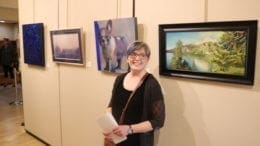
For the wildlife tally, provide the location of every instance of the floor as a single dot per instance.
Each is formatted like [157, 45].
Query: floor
[12, 132]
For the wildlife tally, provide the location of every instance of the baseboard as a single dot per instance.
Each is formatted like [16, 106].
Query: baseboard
[37, 138]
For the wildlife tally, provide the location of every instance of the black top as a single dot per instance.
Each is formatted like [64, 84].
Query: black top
[133, 113]
[146, 104]
[7, 55]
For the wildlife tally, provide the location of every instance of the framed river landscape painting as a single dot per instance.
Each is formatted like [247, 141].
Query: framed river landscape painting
[220, 51]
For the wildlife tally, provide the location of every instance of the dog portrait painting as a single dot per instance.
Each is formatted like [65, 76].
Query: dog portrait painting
[112, 38]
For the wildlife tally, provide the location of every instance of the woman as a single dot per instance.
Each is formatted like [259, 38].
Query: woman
[146, 110]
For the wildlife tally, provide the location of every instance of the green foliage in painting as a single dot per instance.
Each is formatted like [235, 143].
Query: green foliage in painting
[225, 56]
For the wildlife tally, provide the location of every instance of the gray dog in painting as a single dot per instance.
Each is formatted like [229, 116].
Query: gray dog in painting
[113, 48]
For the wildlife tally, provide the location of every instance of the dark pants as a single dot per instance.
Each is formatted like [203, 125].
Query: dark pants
[8, 70]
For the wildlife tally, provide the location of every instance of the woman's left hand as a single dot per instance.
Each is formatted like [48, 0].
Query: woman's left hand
[121, 130]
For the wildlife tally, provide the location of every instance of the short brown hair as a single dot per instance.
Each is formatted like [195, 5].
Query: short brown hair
[138, 45]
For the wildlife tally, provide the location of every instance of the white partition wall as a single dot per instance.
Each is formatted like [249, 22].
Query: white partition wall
[41, 85]
[62, 102]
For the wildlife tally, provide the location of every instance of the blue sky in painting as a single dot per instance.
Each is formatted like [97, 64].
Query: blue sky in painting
[194, 37]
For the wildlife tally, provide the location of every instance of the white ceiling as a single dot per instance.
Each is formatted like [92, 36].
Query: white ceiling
[9, 10]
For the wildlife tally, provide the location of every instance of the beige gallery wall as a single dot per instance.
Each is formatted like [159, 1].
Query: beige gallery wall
[62, 102]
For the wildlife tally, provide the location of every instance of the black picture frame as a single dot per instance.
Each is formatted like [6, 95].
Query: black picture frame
[219, 51]
[67, 46]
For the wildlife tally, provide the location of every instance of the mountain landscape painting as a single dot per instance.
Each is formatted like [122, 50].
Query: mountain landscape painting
[222, 52]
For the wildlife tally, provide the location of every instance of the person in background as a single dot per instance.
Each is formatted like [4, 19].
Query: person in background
[146, 110]
[8, 57]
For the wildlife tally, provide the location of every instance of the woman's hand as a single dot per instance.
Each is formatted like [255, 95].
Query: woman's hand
[121, 130]
[108, 136]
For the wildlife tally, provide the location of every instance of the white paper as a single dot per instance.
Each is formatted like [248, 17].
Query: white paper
[107, 123]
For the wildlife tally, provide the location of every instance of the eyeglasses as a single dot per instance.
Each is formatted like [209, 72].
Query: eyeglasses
[135, 55]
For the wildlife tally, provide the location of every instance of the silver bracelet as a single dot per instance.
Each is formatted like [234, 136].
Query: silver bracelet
[130, 130]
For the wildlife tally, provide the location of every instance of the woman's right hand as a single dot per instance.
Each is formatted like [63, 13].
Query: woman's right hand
[108, 136]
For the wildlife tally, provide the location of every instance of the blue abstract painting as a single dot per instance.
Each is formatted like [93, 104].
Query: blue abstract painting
[33, 44]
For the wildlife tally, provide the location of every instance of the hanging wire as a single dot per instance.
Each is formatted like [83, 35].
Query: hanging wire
[33, 10]
[206, 11]
[67, 14]
[117, 8]
[133, 8]
[58, 9]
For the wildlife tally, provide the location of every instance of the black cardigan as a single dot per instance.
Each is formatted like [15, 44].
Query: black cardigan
[153, 109]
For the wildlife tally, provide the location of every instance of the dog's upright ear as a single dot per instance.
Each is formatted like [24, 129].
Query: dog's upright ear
[109, 26]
